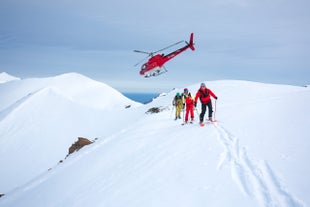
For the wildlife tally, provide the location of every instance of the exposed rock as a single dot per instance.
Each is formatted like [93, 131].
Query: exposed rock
[155, 110]
[79, 144]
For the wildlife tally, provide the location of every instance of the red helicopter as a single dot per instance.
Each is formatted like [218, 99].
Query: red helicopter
[153, 67]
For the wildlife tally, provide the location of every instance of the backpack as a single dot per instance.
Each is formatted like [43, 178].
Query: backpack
[203, 94]
[178, 100]
[188, 95]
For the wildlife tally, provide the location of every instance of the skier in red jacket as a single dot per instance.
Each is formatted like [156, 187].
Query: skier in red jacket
[204, 95]
[189, 103]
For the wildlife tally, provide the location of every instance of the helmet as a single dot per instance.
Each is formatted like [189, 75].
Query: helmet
[185, 90]
[178, 94]
[202, 85]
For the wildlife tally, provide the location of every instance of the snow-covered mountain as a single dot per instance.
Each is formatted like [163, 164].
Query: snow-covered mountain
[255, 155]
[41, 118]
[5, 77]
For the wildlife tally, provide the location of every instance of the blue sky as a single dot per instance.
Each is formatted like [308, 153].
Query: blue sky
[256, 40]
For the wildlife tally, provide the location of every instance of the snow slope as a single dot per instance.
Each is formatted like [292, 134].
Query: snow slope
[255, 155]
[41, 118]
[5, 77]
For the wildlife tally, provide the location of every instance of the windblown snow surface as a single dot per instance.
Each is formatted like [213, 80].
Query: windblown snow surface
[255, 155]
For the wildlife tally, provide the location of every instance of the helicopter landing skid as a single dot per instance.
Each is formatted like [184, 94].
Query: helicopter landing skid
[155, 73]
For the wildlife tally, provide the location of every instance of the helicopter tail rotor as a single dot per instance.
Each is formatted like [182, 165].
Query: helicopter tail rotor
[191, 42]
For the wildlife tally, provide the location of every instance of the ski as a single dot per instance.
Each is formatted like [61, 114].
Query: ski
[211, 122]
[208, 122]
[184, 123]
[200, 124]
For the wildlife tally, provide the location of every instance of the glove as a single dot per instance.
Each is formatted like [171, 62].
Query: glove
[195, 104]
[215, 98]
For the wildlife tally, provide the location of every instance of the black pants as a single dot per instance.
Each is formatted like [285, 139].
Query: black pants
[203, 110]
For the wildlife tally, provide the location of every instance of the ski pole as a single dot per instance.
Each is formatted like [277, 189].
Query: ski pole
[197, 111]
[183, 116]
[215, 110]
[172, 111]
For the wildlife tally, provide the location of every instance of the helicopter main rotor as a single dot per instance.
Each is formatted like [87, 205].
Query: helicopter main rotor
[152, 53]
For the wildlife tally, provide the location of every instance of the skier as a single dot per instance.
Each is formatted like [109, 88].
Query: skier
[189, 103]
[178, 103]
[204, 95]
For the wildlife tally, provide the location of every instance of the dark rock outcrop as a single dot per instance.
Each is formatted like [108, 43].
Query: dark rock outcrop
[79, 144]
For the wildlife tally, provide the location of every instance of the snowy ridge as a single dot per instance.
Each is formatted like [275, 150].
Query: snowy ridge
[73, 86]
[254, 156]
[13, 107]
[5, 77]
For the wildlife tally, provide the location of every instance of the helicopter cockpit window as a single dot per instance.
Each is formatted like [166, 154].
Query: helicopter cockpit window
[144, 66]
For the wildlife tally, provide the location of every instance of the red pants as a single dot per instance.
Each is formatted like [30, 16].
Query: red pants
[189, 109]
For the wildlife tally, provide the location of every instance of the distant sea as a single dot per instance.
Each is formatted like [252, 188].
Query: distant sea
[141, 97]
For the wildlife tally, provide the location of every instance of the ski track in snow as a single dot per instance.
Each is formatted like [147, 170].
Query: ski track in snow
[255, 178]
